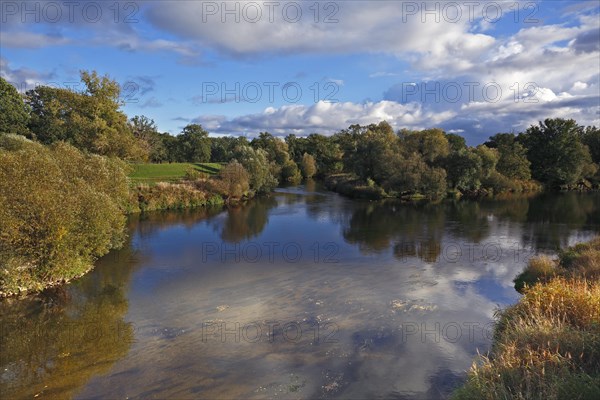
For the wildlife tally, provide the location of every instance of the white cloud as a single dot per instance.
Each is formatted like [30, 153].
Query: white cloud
[324, 117]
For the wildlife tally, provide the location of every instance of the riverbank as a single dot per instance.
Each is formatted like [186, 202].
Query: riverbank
[547, 346]
[351, 186]
[62, 208]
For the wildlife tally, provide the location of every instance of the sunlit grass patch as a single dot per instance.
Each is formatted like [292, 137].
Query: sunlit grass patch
[169, 172]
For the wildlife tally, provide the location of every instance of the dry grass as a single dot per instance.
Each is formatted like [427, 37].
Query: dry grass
[547, 346]
[170, 196]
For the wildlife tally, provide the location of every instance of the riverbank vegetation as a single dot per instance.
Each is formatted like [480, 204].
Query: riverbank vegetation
[60, 208]
[73, 164]
[547, 346]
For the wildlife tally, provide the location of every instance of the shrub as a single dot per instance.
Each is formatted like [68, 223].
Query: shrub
[172, 196]
[235, 179]
[500, 183]
[59, 210]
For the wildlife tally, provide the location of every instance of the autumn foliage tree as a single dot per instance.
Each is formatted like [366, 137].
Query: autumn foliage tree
[90, 120]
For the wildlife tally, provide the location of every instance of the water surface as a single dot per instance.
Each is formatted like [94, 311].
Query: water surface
[304, 294]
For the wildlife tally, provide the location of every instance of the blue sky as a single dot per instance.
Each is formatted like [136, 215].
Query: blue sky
[472, 67]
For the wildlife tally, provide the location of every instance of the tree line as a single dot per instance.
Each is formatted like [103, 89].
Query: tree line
[556, 153]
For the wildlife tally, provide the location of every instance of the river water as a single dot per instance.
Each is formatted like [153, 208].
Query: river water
[304, 294]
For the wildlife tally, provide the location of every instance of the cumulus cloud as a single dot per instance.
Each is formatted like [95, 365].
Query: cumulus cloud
[353, 27]
[323, 117]
[541, 69]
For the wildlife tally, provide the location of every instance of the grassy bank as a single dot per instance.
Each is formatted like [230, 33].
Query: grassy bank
[169, 172]
[547, 346]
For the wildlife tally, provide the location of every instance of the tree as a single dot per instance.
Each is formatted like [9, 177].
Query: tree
[171, 147]
[255, 161]
[89, 120]
[456, 142]
[464, 169]
[489, 159]
[513, 162]
[557, 155]
[221, 148]
[591, 138]
[194, 144]
[296, 147]
[374, 147]
[278, 156]
[145, 131]
[432, 144]
[412, 175]
[14, 113]
[308, 166]
[236, 179]
[326, 152]
[277, 149]
[290, 173]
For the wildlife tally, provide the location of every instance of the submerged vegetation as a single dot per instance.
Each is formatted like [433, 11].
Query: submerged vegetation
[547, 346]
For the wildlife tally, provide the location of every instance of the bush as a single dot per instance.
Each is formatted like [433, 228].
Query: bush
[192, 174]
[235, 179]
[500, 183]
[59, 210]
[172, 196]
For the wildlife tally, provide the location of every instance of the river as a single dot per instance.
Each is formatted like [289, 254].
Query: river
[302, 294]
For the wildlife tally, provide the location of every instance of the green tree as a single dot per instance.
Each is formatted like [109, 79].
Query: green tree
[296, 147]
[432, 144]
[489, 159]
[513, 162]
[145, 131]
[464, 170]
[14, 113]
[374, 149]
[277, 149]
[591, 138]
[221, 148]
[256, 162]
[326, 152]
[278, 156]
[89, 120]
[411, 175]
[456, 142]
[194, 144]
[557, 155]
